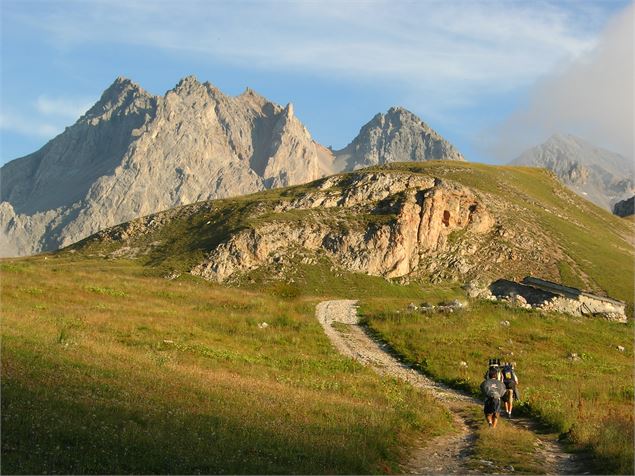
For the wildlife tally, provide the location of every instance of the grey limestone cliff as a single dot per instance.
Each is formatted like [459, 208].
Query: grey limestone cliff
[133, 154]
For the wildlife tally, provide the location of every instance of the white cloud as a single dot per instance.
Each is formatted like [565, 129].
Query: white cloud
[28, 127]
[591, 97]
[65, 107]
[47, 116]
[448, 50]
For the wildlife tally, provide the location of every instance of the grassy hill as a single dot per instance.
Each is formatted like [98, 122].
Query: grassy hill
[106, 370]
[542, 228]
[109, 367]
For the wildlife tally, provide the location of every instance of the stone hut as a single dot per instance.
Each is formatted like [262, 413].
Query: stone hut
[546, 295]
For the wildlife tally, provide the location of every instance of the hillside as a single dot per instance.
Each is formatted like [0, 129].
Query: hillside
[435, 221]
[117, 360]
[597, 174]
[134, 153]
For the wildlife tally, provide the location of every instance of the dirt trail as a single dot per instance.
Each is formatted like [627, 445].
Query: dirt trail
[445, 454]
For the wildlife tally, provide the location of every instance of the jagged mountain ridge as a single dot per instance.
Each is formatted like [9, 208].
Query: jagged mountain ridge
[599, 175]
[133, 154]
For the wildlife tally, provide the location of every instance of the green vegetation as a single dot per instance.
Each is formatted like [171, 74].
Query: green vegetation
[497, 450]
[598, 242]
[509, 446]
[588, 397]
[107, 370]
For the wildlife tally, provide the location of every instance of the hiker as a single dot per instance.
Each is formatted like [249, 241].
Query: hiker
[510, 379]
[492, 389]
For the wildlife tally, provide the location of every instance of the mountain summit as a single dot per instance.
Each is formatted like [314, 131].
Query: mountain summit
[397, 136]
[133, 154]
[599, 175]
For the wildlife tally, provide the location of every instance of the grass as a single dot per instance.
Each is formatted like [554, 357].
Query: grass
[107, 370]
[508, 446]
[505, 447]
[589, 400]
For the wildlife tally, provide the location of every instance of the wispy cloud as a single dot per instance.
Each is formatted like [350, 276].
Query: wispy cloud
[591, 96]
[45, 117]
[438, 47]
[62, 107]
[24, 126]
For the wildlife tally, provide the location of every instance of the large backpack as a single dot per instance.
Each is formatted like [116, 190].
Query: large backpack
[508, 375]
[492, 390]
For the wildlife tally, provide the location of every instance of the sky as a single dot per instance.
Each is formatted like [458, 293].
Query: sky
[493, 77]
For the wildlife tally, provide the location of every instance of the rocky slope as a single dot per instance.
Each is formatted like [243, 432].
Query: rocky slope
[598, 175]
[134, 153]
[625, 208]
[436, 222]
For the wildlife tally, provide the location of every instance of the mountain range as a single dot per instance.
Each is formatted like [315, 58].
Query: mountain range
[597, 174]
[133, 153]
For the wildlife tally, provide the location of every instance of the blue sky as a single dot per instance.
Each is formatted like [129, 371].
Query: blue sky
[470, 69]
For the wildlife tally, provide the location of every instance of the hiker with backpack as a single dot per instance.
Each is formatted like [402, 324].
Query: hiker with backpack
[493, 389]
[510, 379]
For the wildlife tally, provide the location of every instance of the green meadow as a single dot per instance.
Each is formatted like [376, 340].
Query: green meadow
[106, 369]
[588, 398]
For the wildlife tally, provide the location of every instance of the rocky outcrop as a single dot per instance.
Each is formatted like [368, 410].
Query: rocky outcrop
[133, 154]
[625, 208]
[426, 211]
[534, 293]
[397, 136]
[596, 174]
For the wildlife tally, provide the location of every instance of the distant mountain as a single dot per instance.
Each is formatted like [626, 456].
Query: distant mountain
[133, 154]
[599, 175]
[625, 208]
[397, 136]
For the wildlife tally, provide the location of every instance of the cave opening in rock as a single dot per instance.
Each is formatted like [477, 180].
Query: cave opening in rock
[446, 218]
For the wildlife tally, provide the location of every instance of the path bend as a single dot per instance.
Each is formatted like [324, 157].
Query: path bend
[445, 454]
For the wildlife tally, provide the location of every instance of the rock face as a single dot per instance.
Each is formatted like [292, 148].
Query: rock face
[625, 208]
[598, 175]
[397, 136]
[547, 296]
[380, 223]
[133, 154]
[427, 211]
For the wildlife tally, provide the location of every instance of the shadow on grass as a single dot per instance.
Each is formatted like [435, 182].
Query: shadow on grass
[46, 434]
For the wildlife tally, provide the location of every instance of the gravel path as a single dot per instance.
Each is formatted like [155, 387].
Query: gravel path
[445, 454]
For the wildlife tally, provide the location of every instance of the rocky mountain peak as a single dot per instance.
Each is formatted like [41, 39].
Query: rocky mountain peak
[597, 174]
[288, 110]
[396, 136]
[187, 85]
[133, 154]
[121, 93]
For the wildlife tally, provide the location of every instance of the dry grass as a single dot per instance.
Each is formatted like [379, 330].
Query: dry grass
[106, 370]
[589, 400]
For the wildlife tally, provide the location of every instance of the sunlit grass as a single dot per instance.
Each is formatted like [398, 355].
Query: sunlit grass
[105, 370]
[584, 398]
